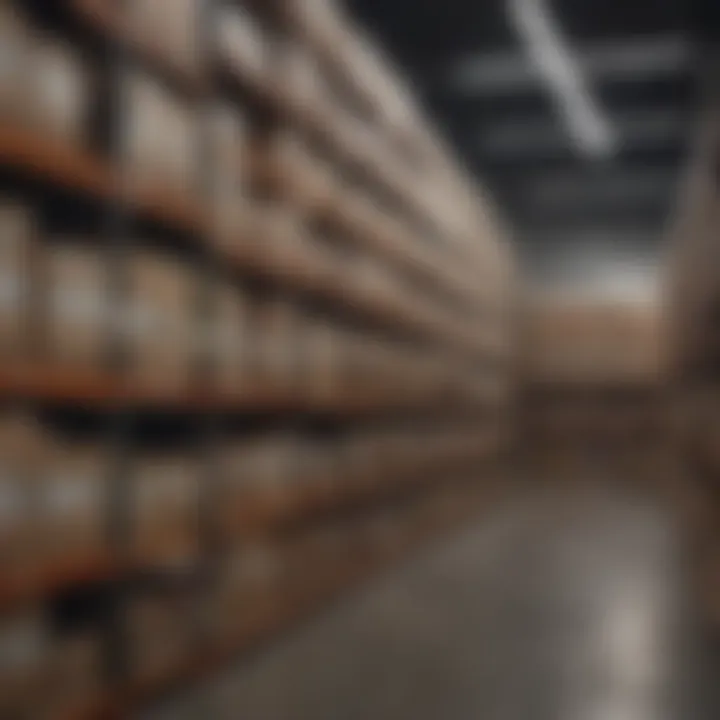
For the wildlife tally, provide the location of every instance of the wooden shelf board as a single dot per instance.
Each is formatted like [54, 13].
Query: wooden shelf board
[269, 621]
[54, 581]
[105, 390]
[43, 156]
[75, 169]
[108, 18]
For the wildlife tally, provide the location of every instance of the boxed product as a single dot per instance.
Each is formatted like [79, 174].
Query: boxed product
[249, 583]
[256, 343]
[159, 322]
[267, 473]
[60, 87]
[279, 229]
[304, 181]
[170, 27]
[23, 665]
[20, 449]
[228, 161]
[315, 559]
[161, 139]
[355, 367]
[276, 327]
[75, 305]
[422, 380]
[15, 51]
[297, 72]
[286, 158]
[319, 357]
[72, 496]
[16, 231]
[377, 368]
[75, 666]
[241, 41]
[386, 370]
[165, 510]
[371, 276]
[318, 469]
[359, 459]
[258, 476]
[228, 341]
[160, 636]
[320, 20]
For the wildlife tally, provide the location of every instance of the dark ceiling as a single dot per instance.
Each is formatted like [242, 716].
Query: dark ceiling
[471, 72]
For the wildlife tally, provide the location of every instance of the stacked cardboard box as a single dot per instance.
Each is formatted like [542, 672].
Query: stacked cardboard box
[692, 302]
[46, 83]
[594, 372]
[265, 218]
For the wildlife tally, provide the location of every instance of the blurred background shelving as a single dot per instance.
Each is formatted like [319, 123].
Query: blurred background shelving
[254, 333]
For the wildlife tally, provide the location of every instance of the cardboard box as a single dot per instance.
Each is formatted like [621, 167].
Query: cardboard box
[75, 305]
[319, 356]
[279, 228]
[258, 473]
[354, 355]
[159, 322]
[161, 139]
[359, 459]
[302, 179]
[275, 336]
[320, 21]
[226, 344]
[75, 671]
[297, 72]
[229, 161]
[160, 635]
[73, 503]
[165, 510]
[287, 161]
[16, 245]
[171, 28]
[23, 665]
[15, 71]
[241, 41]
[61, 89]
[319, 471]
[249, 584]
[21, 448]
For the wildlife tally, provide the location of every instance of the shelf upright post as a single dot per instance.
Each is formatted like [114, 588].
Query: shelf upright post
[118, 225]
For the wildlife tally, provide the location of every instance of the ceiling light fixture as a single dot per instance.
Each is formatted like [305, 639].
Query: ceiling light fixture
[589, 129]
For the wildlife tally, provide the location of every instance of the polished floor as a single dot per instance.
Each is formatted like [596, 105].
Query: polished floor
[553, 608]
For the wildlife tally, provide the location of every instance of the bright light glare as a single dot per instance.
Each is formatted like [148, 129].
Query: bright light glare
[555, 62]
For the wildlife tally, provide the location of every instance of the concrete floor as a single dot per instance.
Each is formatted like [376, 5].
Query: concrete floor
[569, 609]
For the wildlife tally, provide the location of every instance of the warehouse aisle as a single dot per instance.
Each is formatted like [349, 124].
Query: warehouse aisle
[550, 609]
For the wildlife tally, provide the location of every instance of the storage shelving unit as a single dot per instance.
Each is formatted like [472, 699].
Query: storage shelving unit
[593, 391]
[692, 302]
[385, 394]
